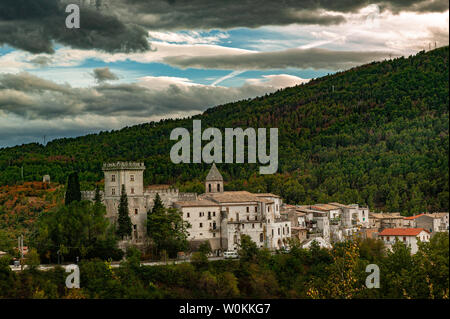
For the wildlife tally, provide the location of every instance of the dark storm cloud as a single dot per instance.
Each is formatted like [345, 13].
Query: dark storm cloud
[118, 26]
[291, 58]
[104, 74]
[34, 26]
[206, 14]
[31, 97]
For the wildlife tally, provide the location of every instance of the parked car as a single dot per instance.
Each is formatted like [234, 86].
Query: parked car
[230, 255]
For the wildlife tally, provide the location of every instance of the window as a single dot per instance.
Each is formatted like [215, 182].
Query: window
[261, 237]
[277, 207]
[201, 225]
[272, 232]
[256, 217]
[287, 230]
[243, 226]
[218, 187]
[135, 211]
[214, 214]
[113, 178]
[113, 191]
[135, 227]
[404, 238]
[278, 231]
[209, 188]
[388, 238]
[248, 209]
[131, 178]
[188, 215]
[248, 218]
[132, 190]
[253, 225]
[237, 216]
[214, 234]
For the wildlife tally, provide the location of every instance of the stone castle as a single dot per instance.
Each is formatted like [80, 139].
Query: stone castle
[217, 216]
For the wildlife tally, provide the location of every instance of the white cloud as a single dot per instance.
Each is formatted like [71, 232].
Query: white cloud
[190, 37]
[277, 81]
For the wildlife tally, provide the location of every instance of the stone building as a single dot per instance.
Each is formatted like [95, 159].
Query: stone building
[221, 217]
[140, 198]
[217, 216]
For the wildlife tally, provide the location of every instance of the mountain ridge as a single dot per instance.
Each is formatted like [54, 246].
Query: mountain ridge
[376, 134]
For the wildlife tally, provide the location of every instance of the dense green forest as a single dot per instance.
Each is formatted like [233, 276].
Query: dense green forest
[375, 135]
[315, 273]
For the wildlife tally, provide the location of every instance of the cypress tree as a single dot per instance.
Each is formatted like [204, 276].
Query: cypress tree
[98, 197]
[73, 192]
[158, 205]
[124, 221]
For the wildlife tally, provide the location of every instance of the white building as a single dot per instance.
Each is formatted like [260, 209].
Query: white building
[221, 217]
[409, 236]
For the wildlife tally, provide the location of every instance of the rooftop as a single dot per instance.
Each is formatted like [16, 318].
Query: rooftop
[196, 203]
[401, 231]
[235, 197]
[266, 195]
[214, 174]
[413, 217]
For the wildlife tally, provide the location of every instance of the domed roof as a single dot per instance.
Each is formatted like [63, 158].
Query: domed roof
[214, 174]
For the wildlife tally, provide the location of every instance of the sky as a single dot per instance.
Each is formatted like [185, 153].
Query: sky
[135, 61]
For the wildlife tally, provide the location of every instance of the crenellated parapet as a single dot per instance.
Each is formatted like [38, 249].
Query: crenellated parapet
[123, 166]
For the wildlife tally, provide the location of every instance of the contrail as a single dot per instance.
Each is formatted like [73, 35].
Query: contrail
[228, 76]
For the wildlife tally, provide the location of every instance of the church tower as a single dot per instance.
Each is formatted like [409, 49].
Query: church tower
[214, 181]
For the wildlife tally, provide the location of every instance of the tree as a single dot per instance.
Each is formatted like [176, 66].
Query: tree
[32, 259]
[80, 229]
[124, 220]
[73, 192]
[98, 196]
[166, 228]
[248, 251]
[205, 248]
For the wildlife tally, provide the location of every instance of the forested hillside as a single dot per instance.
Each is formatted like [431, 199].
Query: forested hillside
[376, 135]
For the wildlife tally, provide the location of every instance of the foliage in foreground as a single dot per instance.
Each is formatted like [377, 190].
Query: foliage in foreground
[314, 273]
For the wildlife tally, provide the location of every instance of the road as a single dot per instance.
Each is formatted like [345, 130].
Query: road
[117, 264]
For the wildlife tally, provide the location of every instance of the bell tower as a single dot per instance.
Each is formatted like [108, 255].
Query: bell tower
[214, 181]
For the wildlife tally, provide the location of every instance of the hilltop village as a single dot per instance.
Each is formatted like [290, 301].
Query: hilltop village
[221, 217]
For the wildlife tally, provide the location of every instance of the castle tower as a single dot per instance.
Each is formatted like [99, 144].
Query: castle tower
[130, 174]
[214, 181]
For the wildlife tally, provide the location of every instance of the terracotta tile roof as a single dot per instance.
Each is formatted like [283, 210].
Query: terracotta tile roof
[266, 195]
[340, 205]
[235, 197]
[413, 217]
[401, 231]
[385, 215]
[196, 203]
[324, 207]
